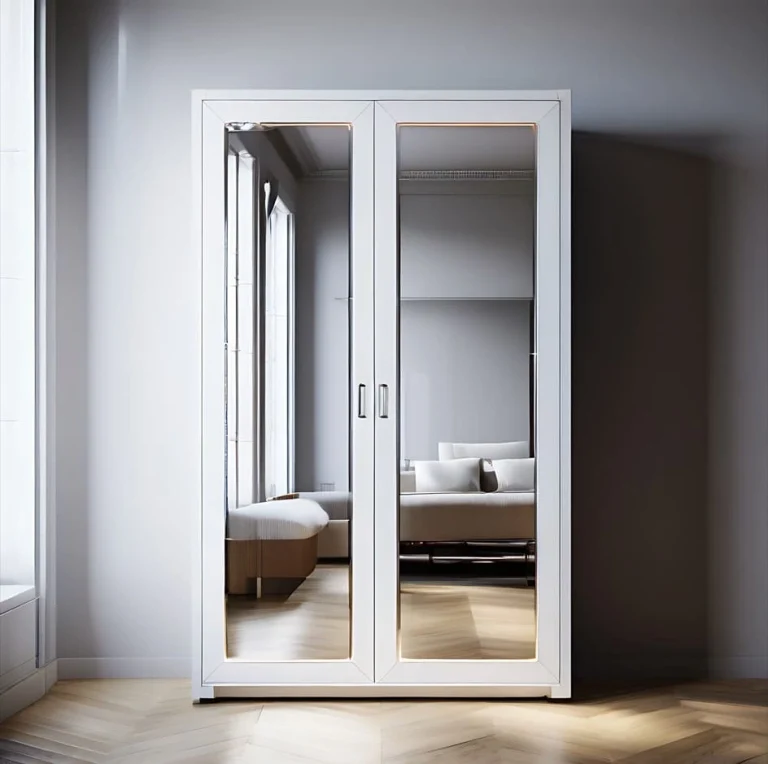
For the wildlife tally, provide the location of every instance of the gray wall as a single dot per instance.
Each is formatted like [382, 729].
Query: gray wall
[670, 346]
[322, 335]
[464, 363]
[466, 240]
[464, 369]
[465, 248]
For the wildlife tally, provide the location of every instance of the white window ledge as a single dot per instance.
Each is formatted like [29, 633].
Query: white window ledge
[13, 595]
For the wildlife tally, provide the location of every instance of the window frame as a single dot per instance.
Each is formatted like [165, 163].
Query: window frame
[19, 283]
[43, 127]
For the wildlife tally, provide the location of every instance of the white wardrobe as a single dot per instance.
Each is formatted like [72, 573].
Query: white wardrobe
[385, 382]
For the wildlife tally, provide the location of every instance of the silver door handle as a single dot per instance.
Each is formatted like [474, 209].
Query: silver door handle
[361, 402]
[383, 402]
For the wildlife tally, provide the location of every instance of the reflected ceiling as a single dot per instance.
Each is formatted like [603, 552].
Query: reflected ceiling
[326, 149]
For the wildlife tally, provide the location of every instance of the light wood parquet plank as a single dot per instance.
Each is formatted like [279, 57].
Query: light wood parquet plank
[417, 729]
[487, 750]
[458, 621]
[256, 754]
[312, 623]
[709, 745]
[313, 732]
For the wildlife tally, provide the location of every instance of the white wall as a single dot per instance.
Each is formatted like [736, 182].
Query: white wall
[678, 85]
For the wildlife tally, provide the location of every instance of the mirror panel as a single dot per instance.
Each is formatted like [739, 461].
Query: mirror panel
[467, 506]
[288, 456]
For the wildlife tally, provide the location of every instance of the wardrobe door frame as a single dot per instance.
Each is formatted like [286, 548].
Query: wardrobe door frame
[550, 117]
[210, 118]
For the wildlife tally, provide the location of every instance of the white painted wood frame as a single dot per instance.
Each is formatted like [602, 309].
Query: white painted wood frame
[549, 673]
[212, 667]
[551, 666]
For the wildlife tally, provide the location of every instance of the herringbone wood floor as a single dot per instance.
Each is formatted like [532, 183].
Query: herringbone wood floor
[440, 620]
[312, 623]
[153, 721]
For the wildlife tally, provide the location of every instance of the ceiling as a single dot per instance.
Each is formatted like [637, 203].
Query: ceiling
[326, 148]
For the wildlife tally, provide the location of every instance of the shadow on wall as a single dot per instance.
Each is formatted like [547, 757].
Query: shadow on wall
[640, 395]
[74, 634]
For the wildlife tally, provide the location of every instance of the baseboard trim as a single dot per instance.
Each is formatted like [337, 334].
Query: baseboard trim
[51, 674]
[731, 667]
[739, 667]
[124, 668]
[27, 691]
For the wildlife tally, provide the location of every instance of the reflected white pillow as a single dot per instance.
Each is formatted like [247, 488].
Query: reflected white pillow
[455, 476]
[514, 474]
[515, 449]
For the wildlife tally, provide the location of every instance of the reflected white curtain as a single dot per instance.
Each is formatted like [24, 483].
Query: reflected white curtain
[276, 350]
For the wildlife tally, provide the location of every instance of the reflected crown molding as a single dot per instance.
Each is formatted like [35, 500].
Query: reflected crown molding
[437, 175]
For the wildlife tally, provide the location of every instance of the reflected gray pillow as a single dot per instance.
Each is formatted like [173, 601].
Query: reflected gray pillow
[488, 480]
[514, 475]
[454, 476]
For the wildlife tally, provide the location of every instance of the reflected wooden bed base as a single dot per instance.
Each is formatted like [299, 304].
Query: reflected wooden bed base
[250, 561]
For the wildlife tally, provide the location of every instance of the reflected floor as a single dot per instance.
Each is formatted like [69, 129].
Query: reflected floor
[312, 623]
[440, 620]
[464, 620]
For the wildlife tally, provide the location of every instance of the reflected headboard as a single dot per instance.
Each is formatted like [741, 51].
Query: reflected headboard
[516, 449]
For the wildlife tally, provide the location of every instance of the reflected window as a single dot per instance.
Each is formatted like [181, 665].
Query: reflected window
[242, 483]
[278, 366]
[17, 301]
[289, 496]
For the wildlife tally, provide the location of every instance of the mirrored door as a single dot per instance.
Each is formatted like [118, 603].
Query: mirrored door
[468, 383]
[289, 499]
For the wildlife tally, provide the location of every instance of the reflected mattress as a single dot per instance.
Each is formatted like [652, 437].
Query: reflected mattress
[467, 516]
[291, 519]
